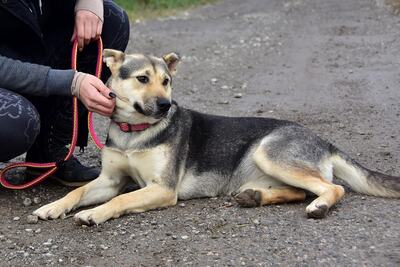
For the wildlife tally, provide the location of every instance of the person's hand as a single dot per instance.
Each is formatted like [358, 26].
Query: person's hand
[95, 95]
[88, 26]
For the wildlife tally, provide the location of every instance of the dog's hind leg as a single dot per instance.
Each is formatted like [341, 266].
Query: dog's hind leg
[301, 177]
[150, 197]
[97, 191]
[258, 196]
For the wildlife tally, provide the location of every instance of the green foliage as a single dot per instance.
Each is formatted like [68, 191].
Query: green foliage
[394, 5]
[152, 8]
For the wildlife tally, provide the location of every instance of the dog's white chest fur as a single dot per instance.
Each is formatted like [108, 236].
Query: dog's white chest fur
[145, 166]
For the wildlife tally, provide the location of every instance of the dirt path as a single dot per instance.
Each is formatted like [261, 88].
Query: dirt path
[330, 65]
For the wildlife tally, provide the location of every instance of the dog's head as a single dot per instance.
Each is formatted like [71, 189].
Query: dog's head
[142, 84]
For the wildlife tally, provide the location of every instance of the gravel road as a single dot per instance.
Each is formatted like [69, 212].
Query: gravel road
[330, 65]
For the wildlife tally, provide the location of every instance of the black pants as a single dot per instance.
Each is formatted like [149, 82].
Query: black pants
[25, 120]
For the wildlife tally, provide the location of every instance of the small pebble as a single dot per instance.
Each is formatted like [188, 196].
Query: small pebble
[16, 218]
[214, 80]
[28, 230]
[184, 237]
[238, 95]
[103, 247]
[32, 219]
[224, 102]
[37, 231]
[27, 202]
[37, 200]
[182, 205]
[224, 87]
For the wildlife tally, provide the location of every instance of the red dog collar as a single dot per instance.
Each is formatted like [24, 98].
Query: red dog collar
[125, 127]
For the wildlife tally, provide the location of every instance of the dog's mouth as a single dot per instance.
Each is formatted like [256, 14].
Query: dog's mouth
[151, 110]
[138, 108]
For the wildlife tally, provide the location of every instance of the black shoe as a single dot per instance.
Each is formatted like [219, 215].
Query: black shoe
[70, 173]
[51, 146]
[73, 173]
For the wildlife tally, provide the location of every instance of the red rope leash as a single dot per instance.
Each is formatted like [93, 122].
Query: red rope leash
[99, 66]
[53, 166]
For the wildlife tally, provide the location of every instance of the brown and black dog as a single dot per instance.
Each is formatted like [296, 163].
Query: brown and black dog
[176, 153]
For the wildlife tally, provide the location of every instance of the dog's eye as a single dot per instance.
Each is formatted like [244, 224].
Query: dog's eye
[165, 82]
[143, 79]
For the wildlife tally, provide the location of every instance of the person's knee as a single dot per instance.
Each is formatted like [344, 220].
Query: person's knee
[20, 124]
[31, 123]
[116, 26]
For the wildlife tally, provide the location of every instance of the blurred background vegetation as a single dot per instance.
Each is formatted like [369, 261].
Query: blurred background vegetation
[395, 5]
[139, 9]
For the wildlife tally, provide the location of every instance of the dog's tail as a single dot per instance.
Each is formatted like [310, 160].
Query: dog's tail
[363, 180]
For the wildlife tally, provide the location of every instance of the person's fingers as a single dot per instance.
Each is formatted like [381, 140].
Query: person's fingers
[88, 32]
[100, 99]
[81, 34]
[103, 101]
[103, 89]
[93, 105]
[91, 94]
[94, 30]
[101, 110]
[73, 35]
[99, 28]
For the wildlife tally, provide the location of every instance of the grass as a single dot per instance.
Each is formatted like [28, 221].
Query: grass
[395, 6]
[140, 9]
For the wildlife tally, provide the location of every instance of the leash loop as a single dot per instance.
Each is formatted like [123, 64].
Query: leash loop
[53, 166]
[99, 65]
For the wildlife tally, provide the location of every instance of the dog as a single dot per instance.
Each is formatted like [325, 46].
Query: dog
[176, 153]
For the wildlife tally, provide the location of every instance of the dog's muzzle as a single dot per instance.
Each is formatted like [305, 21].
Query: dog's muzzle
[158, 108]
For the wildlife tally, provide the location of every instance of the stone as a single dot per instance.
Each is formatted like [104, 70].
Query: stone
[32, 219]
[37, 200]
[27, 202]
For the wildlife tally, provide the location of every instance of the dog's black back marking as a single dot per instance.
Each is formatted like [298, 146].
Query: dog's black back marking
[219, 143]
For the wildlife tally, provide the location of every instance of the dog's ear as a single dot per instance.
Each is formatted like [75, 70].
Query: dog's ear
[113, 59]
[172, 61]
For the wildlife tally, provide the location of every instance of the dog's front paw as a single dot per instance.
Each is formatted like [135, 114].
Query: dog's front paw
[53, 210]
[90, 217]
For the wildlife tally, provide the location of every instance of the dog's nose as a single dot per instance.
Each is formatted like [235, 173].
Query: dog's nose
[163, 104]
